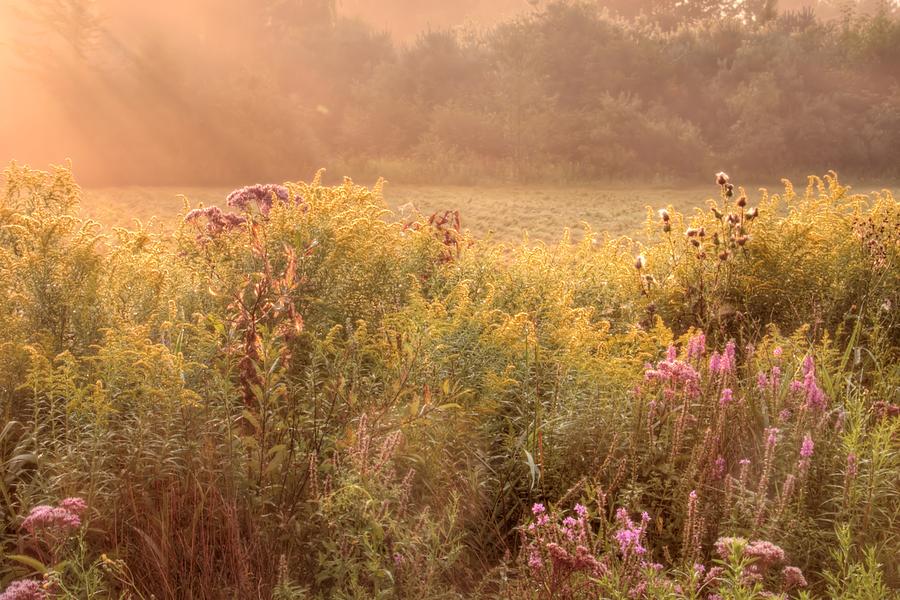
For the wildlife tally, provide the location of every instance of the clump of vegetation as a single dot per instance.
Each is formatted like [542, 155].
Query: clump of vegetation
[297, 396]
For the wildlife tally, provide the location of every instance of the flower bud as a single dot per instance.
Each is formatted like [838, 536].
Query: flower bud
[664, 215]
[742, 201]
[640, 263]
[721, 178]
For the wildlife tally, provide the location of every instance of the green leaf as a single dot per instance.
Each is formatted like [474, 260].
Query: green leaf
[28, 561]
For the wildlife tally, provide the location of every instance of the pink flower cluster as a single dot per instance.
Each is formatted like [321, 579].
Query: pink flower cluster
[725, 363]
[630, 535]
[770, 380]
[25, 589]
[696, 347]
[673, 372]
[563, 544]
[64, 518]
[216, 220]
[809, 388]
[763, 556]
[261, 195]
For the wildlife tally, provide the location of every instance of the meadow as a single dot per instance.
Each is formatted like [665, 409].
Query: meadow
[501, 213]
[285, 394]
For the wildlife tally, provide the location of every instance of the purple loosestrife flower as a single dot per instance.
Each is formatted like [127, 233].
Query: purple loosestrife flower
[696, 346]
[728, 358]
[727, 397]
[24, 589]
[538, 509]
[852, 466]
[719, 468]
[777, 352]
[807, 447]
[629, 535]
[534, 560]
[581, 511]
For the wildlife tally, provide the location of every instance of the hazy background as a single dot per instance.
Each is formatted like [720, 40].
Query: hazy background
[213, 92]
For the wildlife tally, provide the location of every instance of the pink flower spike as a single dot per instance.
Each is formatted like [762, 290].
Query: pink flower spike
[806, 449]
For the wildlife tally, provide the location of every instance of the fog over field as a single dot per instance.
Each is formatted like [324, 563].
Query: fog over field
[208, 92]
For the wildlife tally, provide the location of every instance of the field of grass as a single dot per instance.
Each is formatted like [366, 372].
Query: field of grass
[499, 213]
[299, 400]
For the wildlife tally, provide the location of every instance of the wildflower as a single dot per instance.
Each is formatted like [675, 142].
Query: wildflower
[74, 505]
[722, 178]
[726, 545]
[691, 232]
[664, 215]
[696, 346]
[729, 190]
[534, 560]
[809, 387]
[538, 509]
[44, 517]
[727, 397]
[675, 373]
[764, 554]
[723, 364]
[806, 448]
[752, 213]
[742, 201]
[771, 437]
[24, 589]
[261, 195]
[719, 468]
[785, 415]
[793, 578]
[777, 352]
[581, 511]
[629, 536]
[852, 466]
[640, 263]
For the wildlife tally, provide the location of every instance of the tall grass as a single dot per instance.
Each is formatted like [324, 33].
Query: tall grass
[298, 396]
